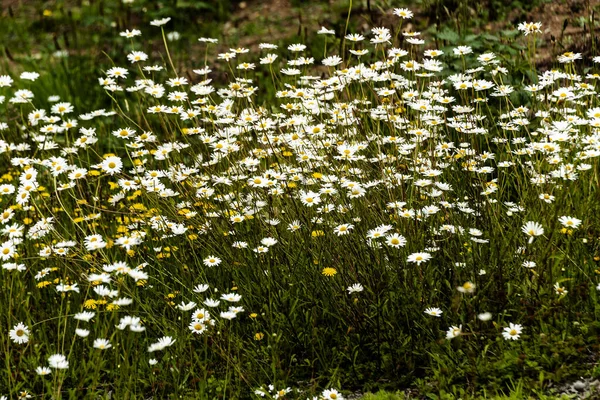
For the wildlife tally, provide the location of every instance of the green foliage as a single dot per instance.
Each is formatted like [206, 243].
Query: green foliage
[301, 325]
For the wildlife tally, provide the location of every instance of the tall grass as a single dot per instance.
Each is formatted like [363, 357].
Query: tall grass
[386, 222]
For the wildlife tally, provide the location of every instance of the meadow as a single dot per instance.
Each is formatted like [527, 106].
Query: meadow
[345, 211]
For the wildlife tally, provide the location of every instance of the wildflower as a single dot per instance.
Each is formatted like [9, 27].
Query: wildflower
[332, 61]
[85, 316]
[530, 27]
[211, 303]
[201, 288]
[186, 307]
[102, 344]
[486, 316]
[136, 56]
[310, 198]
[462, 50]
[58, 361]
[325, 31]
[569, 222]
[211, 261]
[82, 332]
[419, 258]
[161, 344]
[332, 394]
[42, 371]
[229, 315]
[396, 240]
[453, 332]
[112, 165]
[403, 13]
[130, 33]
[233, 297]
[568, 57]
[532, 229]
[512, 331]
[433, 311]
[355, 288]
[559, 290]
[160, 22]
[328, 271]
[343, 229]
[19, 333]
[467, 287]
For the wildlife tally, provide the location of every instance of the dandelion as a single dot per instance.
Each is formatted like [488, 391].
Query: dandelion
[328, 271]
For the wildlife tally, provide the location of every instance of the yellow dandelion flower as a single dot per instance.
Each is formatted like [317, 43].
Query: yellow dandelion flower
[328, 271]
[90, 304]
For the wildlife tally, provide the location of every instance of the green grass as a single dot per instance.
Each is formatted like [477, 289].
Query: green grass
[301, 203]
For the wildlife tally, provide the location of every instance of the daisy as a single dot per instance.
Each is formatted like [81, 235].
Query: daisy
[418, 258]
[396, 240]
[232, 297]
[453, 331]
[356, 288]
[201, 288]
[403, 13]
[197, 327]
[569, 222]
[82, 332]
[112, 165]
[162, 343]
[467, 287]
[561, 291]
[433, 311]
[160, 22]
[19, 333]
[102, 344]
[532, 229]
[332, 394]
[42, 371]
[343, 229]
[58, 361]
[486, 316]
[84, 316]
[512, 331]
[211, 261]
